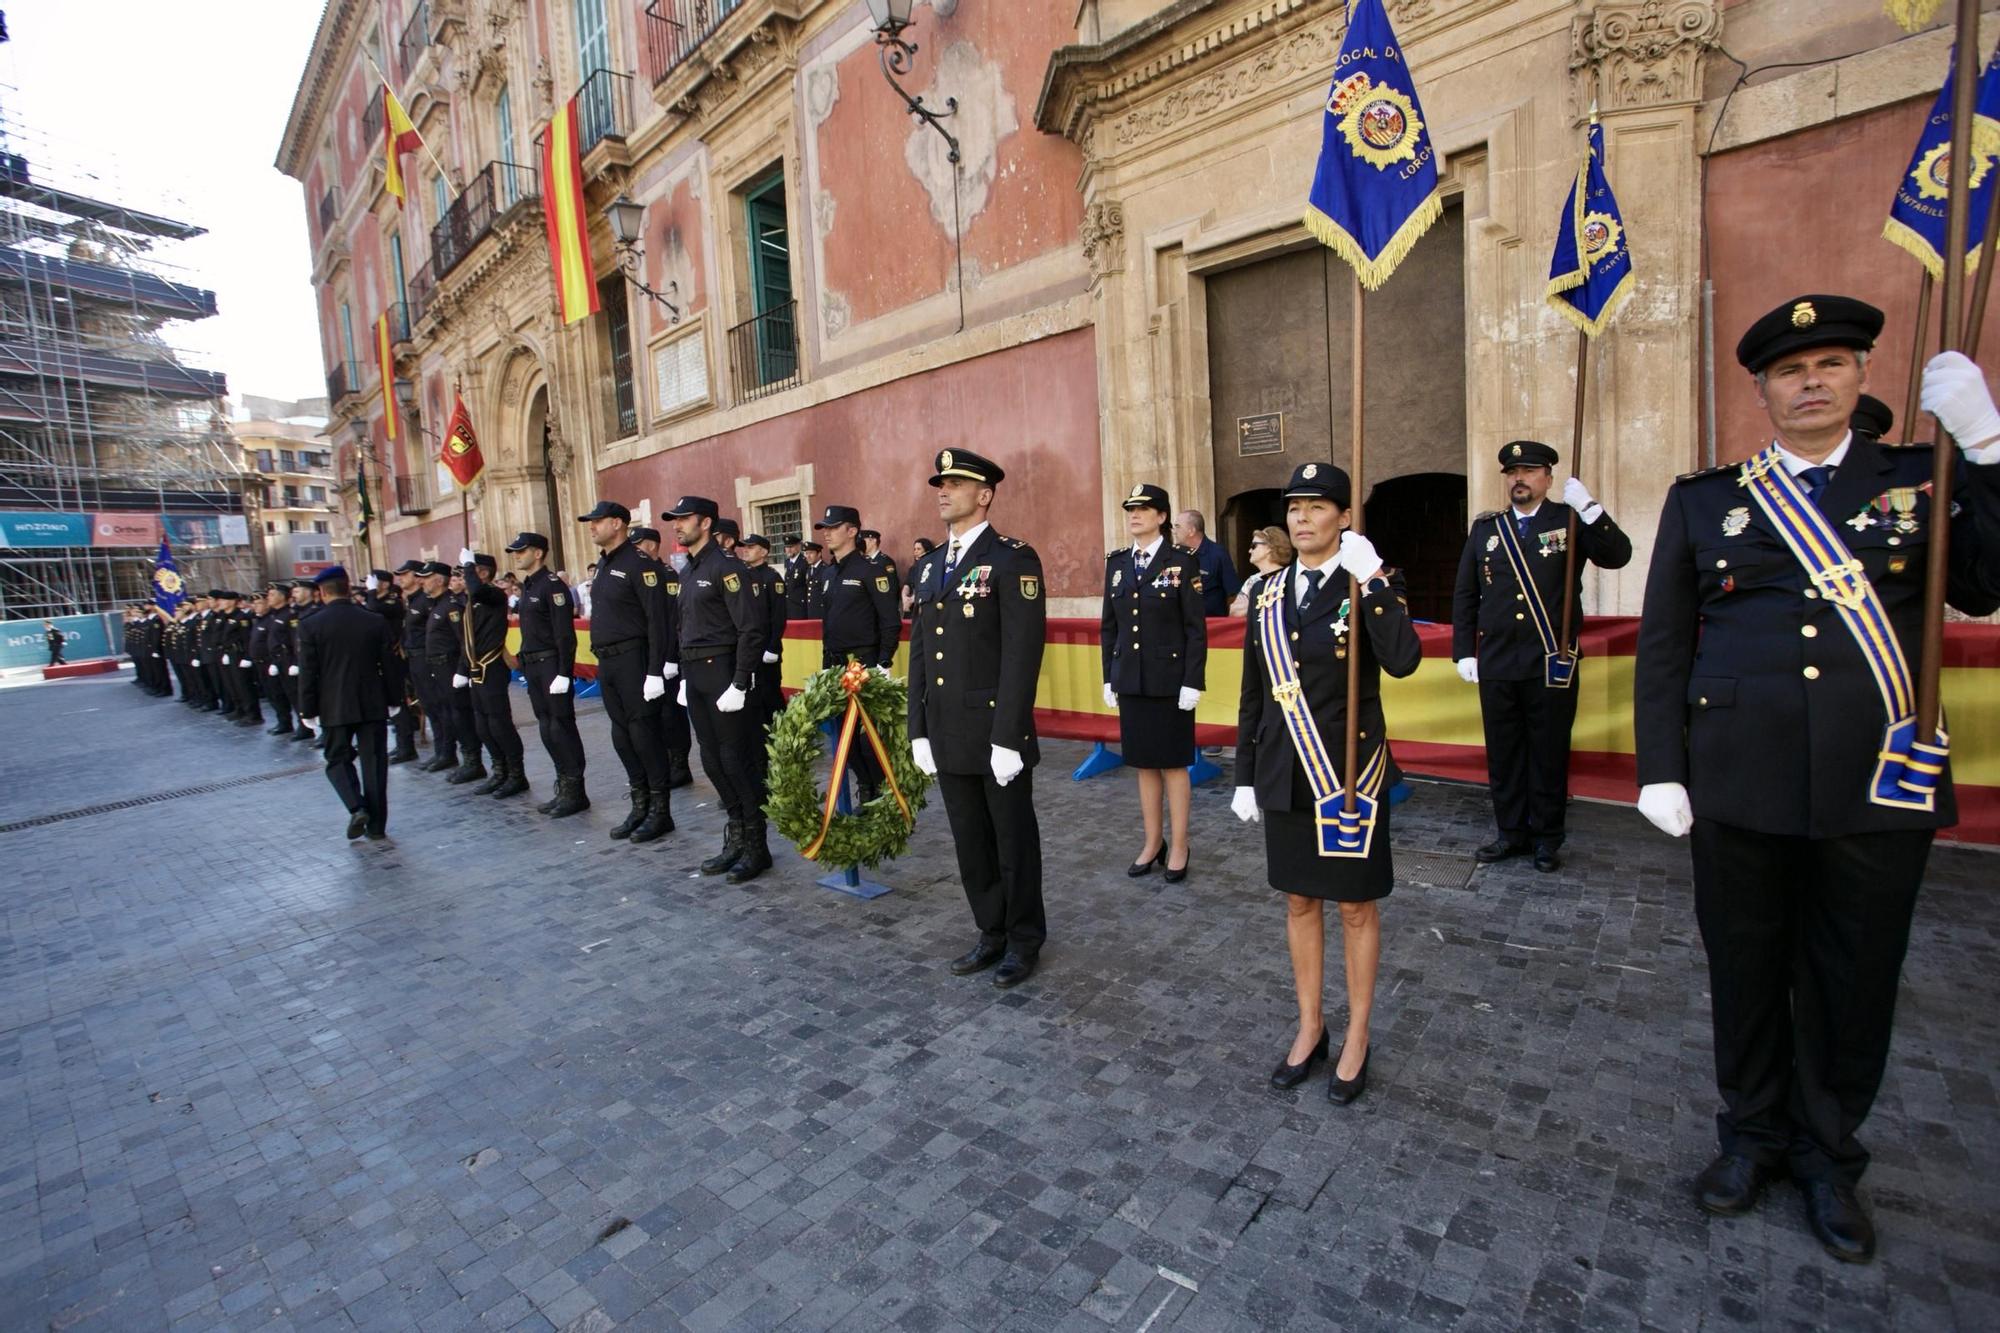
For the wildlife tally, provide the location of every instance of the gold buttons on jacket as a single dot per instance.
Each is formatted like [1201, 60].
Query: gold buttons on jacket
[940, 657]
[1520, 615]
[940, 680]
[1812, 673]
[1810, 631]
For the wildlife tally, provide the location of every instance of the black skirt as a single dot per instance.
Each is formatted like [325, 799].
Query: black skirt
[1294, 865]
[1154, 733]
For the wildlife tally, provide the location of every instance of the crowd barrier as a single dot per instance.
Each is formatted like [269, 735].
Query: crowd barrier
[1434, 716]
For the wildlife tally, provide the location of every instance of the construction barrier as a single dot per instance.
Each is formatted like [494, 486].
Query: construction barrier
[1433, 716]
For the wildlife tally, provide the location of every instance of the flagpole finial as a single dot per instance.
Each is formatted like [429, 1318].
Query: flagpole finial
[1593, 110]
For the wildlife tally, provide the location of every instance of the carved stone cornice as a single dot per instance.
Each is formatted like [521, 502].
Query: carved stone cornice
[1103, 235]
[1641, 53]
[316, 84]
[517, 241]
[737, 60]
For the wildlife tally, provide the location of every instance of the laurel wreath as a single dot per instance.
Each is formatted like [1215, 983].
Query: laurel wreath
[796, 802]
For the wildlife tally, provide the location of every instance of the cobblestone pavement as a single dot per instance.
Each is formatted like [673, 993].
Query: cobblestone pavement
[499, 1073]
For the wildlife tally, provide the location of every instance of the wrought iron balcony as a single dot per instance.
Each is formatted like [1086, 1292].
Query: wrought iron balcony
[371, 120]
[416, 37]
[420, 290]
[342, 379]
[497, 187]
[674, 29]
[399, 321]
[600, 109]
[329, 209]
[413, 495]
[764, 352]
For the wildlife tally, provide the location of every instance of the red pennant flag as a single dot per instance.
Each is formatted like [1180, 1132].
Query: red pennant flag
[461, 447]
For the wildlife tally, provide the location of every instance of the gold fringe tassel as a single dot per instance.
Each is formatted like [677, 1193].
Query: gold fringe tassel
[1912, 14]
[1595, 327]
[1374, 272]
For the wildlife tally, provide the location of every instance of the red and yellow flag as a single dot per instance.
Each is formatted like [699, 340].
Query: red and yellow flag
[399, 137]
[461, 455]
[562, 206]
[385, 365]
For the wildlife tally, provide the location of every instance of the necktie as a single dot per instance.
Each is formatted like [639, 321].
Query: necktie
[1140, 559]
[950, 559]
[1814, 480]
[1312, 578]
[1521, 526]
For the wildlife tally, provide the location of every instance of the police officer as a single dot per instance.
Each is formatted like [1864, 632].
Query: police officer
[818, 565]
[755, 552]
[441, 621]
[482, 661]
[240, 664]
[632, 633]
[859, 620]
[464, 720]
[975, 652]
[871, 546]
[304, 606]
[1773, 714]
[346, 661]
[673, 713]
[273, 653]
[1154, 641]
[722, 648]
[212, 647]
[1504, 632]
[795, 568]
[727, 534]
[548, 661]
[1872, 416]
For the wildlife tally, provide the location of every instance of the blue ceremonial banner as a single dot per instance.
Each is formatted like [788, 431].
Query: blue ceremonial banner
[1917, 218]
[1590, 274]
[167, 590]
[1375, 191]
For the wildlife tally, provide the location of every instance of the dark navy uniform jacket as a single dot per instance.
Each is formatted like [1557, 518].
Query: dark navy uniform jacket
[631, 597]
[1489, 614]
[548, 620]
[1750, 690]
[976, 652]
[722, 611]
[1154, 632]
[346, 666]
[861, 616]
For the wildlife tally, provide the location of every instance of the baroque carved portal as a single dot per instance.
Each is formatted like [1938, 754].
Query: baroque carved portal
[1641, 54]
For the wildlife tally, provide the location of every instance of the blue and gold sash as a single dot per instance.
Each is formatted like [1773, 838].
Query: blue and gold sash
[1558, 669]
[1341, 833]
[1907, 770]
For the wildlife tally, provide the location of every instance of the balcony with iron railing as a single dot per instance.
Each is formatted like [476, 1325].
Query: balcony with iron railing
[399, 321]
[600, 109]
[342, 379]
[413, 495]
[416, 38]
[674, 29]
[420, 289]
[329, 209]
[371, 119]
[764, 352]
[498, 187]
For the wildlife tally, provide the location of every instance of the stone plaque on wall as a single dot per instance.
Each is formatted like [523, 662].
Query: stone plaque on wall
[1263, 433]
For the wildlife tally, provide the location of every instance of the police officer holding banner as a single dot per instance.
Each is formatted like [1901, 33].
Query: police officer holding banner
[1506, 620]
[860, 618]
[1774, 713]
[548, 661]
[632, 635]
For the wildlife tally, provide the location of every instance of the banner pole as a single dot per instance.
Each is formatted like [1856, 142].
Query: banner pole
[1913, 400]
[1563, 651]
[1358, 360]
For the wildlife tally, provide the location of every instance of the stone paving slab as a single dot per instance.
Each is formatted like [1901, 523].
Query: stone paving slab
[505, 1074]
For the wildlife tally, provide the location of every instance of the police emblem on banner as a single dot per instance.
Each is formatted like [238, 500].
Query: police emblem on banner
[1601, 234]
[1932, 174]
[1379, 121]
[167, 581]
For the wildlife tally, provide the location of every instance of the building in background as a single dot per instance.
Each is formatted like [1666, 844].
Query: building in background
[1112, 285]
[292, 499]
[109, 438]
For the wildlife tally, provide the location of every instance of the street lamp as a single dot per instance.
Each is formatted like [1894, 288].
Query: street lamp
[891, 18]
[628, 221]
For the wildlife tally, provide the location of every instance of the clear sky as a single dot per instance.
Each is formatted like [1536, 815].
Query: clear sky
[178, 108]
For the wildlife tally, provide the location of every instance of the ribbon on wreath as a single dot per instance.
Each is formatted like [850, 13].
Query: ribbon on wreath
[852, 679]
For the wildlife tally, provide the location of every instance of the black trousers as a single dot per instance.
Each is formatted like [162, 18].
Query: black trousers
[444, 718]
[279, 690]
[635, 721]
[493, 714]
[367, 742]
[1527, 728]
[732, 744]
[1805, 940]
[674, 722]
[464, 719]
[218, 689]
[999, 856]
[555, 718]
[243, 683]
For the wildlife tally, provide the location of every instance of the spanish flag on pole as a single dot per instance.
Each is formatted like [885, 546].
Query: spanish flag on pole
[385, 365]
[399, 137]
[562, 206]
[461, 455]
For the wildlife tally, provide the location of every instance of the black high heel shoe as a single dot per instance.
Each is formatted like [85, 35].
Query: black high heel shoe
[1139, 868]
[1340, 1091]
[1287, 1076]
[1176, 876]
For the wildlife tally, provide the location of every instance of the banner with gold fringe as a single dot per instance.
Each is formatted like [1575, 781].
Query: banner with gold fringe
[1917, 217]
[1590, 272]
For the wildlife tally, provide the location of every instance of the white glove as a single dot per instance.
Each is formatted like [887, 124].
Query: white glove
[1955, 393]
[397, 709]
[881, 671]
[1244, 806]
[156, 655]
[465, 555]
[1006, 765]
[770, 659]
[1110, 697]
[271, 670]
[682, 697]
[654, 688]
[225, 659]
[1357, 556]
[371, 583]
[312, 724]
[460, 682]
[1579, 499]
[194, 661]
[670, 671]
[730, 701]
[291, 671]
[560, 685]
[1468, 670]
[920, 752]
[1666, 805]
[1189, 698]
[246, 664]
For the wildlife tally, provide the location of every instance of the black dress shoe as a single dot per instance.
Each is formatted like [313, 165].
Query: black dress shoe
[1730, 1184]
[375, 832]
[976, 959]
[357, 824]
[1141, 868]
[1013, 970]
[1176, 876]
[1500, 849]
[1547, 861]
[1340, 1091]
[1287, 1076]
[1835, 1216]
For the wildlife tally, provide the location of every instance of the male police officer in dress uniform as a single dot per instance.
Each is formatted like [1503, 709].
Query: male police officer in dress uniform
[632, 633]
[482, 664]
[722, 649]
[871, 546]
[1773, 699]
[1506, 618]
[440, 651]
[673, 713]
[548, 660]
[975, 652]
[861, 619]
[346, 668]
[410, 650]
[274, 653]
[797, 565]
[769, 697]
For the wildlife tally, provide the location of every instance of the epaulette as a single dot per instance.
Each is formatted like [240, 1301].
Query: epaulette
[1015, 542]
[1114, 553]
[1482, 517]
[1708, 472]
[1182, 549]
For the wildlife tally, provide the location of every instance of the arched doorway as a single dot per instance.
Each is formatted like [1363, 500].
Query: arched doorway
[548, 496]
[1417, 522]
[1244, 513]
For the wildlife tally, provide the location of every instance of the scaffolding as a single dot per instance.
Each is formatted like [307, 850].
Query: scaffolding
[99, 412]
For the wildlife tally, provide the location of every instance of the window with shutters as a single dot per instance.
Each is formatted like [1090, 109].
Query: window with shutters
[680, 373]
[618, 329]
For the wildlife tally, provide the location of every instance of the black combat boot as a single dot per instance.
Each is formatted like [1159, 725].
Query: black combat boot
[678, 772]
[473, 769]
[513, 780]
[732, 848]
[756, 858]
[623, 828]
[659, 818]
[493, 780]
[570, 799]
